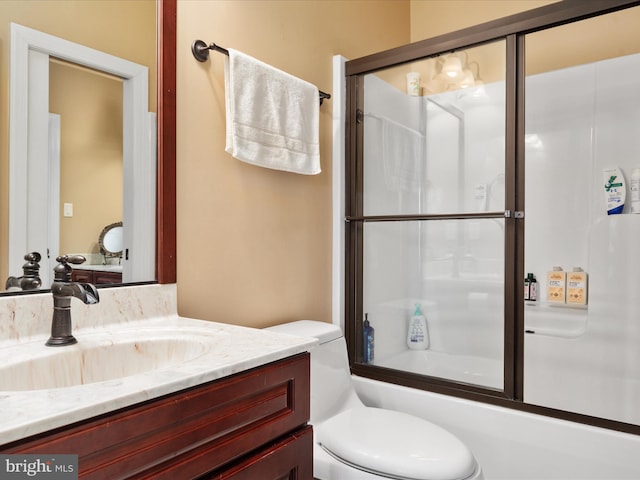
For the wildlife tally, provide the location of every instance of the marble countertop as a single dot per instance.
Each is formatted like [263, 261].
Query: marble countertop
[231, 349]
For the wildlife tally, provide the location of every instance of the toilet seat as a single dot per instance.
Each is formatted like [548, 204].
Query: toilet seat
[395, 444]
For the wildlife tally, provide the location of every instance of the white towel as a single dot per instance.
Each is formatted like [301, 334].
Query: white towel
[272, 116]
[401, 150]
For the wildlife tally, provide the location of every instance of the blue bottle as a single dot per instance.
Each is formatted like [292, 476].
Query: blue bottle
[368, 333]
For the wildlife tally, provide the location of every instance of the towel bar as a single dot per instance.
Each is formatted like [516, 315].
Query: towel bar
[200, 51]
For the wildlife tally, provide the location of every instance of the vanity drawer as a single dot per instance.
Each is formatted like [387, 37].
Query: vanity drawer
[97, 277]
[198, 431]
[100, 278]
[289, 458]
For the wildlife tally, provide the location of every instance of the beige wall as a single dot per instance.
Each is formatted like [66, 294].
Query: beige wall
[550, 49]
[254, 245]
[90, 108]
[430, 18]
[120, 27]
[575, 43]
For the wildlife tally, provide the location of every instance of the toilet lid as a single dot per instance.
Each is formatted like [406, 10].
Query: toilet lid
[395, 444]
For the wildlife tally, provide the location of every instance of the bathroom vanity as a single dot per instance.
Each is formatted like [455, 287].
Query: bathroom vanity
[148, 394]
[232, 428]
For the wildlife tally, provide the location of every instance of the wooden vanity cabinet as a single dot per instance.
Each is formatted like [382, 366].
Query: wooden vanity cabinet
[97, 277]
[248, 426]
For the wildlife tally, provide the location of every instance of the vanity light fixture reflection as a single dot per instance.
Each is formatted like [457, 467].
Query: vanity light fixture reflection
[454, 71]
[452, 68]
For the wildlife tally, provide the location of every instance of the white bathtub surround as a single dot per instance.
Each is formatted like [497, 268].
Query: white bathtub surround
[515, 445]
[581, 121]
[203, 351]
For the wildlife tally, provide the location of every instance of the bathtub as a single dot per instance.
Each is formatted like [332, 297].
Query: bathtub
[514, 445]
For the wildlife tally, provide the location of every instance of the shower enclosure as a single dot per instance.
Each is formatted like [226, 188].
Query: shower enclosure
[492, 169]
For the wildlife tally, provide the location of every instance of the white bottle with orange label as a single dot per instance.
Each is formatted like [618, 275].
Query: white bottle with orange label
[556, 285]
[577, 287]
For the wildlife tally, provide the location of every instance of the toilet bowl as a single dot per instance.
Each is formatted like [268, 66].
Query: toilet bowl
[356, 442]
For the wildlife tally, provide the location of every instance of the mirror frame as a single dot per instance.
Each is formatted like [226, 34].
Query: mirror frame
[105, 232]
[166, 176]
[165, 259]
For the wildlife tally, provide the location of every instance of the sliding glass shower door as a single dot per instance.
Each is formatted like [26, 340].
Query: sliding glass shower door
[431, 217]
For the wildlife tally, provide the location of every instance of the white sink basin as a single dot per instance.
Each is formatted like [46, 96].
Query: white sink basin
[96, 358]
[118, 361]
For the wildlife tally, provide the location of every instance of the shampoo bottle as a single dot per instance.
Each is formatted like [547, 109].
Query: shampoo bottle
[418, 335]
[615, 191]
[368, 343]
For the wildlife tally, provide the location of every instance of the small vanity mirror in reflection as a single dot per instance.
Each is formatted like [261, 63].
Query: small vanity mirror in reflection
[106, 266]
[110, 243]
[65, 183]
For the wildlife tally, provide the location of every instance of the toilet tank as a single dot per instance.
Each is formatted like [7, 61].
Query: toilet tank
[324, 332]
[332, 390]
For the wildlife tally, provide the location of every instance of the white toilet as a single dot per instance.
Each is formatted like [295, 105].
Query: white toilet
[354, 442]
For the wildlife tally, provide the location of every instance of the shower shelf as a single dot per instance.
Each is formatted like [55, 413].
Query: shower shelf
[555, 305]
[555, 320]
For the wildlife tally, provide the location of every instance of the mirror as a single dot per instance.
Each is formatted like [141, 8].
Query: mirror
[35, 14]
[110, 242]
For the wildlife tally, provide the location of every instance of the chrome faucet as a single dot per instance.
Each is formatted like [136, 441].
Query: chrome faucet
[30, 279]
[63, 289]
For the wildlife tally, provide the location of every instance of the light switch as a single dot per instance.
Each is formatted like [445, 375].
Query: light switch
[68, 209]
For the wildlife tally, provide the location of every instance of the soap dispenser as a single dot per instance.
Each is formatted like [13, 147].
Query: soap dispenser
[418, 335]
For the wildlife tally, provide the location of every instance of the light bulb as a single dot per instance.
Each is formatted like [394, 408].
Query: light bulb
[452, 67]
[467, 79]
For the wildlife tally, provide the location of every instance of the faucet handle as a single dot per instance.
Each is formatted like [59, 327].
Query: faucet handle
[62, 271]
[75, 259]
[31, 271]
[32, 266]
[33, 257]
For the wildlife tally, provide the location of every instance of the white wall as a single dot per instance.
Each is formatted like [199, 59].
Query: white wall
[582, 120]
